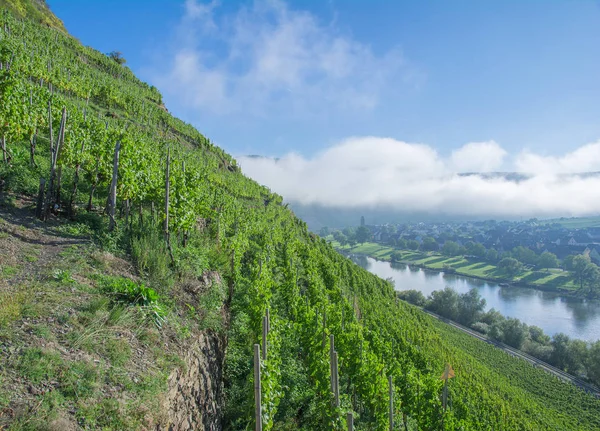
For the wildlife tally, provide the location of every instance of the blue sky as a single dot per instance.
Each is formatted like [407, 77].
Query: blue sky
[524, 74]
[379, 103]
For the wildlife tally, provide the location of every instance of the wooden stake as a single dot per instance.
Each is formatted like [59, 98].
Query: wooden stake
[54, 152]
[112, 193]
[324, 325]
[257, 389]
[32, 148]
[4, 158]
[331, 350]
[94, 185]
[39, 208]
[268, 321]
[336, 377]
[167, 191]
[350, 421]
[391, 389]
[265, 331]
[75, 181]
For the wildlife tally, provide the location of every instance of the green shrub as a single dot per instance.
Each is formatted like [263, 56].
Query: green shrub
[151, 258]
[124, 291]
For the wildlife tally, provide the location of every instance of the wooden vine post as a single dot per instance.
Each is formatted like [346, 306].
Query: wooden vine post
[167, 191]
[76, 180]
[112, 193]
[39, 208]
[54, 153]
[350, 421]
[391, 389]
[185, 232]
[265, 332]
[446, 375]
[3, 142]
[333, 369]
[257, 389]
[324, 327]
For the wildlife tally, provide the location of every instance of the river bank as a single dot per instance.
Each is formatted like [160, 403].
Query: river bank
[553, 312]
[553, 280]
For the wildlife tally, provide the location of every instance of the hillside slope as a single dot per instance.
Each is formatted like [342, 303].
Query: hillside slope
[36, 10]
[109, 321]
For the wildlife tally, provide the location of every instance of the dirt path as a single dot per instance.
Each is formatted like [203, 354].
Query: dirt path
[28, 246]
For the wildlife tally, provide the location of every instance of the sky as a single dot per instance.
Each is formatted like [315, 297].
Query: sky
[349, 93]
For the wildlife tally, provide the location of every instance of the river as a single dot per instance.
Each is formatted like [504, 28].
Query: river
[550, 311]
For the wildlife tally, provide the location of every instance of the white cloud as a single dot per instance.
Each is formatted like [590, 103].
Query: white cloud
[583, 159]
[268, 58]
[478, 157]
[371, 171]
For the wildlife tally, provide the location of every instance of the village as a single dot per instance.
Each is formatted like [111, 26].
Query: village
[480, 238]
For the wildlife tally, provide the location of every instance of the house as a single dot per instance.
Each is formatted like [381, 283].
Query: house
[595, 255]
[581, 239]
[377, 236]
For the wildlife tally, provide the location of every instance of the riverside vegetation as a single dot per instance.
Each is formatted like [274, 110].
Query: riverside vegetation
[96, 310]
[577, 357]
[579, 276]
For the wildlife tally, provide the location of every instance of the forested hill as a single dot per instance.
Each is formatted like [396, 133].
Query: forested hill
[181, 212]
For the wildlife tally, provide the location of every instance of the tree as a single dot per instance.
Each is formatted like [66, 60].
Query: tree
[470, 307]
[581, 268]
[450, 248]
[415, 297]
[362, 234]
[444, 302]
[475, 249]
[478, 250]
[537, 334]
[412, 244]
[117, 56]
[525, 255]
[510, 266]
[560, 356]
[401, 243]
[429, 244]
[568, 262]
[491, 255]
[340, 237]
[592, 279]
[492, 317]
[396, 256]
[593, 362]
[514, 332]
[548, 260]
[324, 231]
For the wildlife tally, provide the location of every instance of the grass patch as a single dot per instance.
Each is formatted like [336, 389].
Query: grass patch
[11, 306]
[118, 351]
[8, 271]
[38, 365]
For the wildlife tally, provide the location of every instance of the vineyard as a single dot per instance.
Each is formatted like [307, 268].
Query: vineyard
[83, 136]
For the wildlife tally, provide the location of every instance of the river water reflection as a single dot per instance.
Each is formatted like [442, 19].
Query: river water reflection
[551, 312]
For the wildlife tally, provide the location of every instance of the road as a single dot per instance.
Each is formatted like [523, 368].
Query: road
[519, 354]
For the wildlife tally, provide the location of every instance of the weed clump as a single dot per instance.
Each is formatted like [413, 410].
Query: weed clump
[124, 291]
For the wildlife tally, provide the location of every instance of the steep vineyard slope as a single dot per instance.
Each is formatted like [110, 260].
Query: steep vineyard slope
[185, 260]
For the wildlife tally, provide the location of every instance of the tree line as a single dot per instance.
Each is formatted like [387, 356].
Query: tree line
[577, 357]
